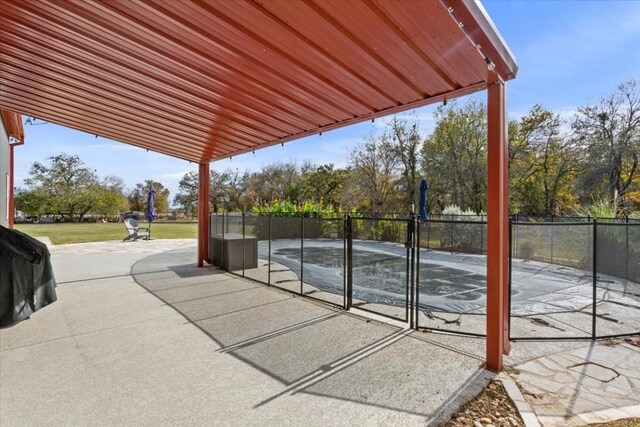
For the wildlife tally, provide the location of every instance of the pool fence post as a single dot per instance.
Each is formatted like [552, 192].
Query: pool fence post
[269, 256]
[349, 261]
[243, 243]
[451, 241]
[514, 244]
[510, 272]
[417, 286]
[301, 254]
[211, 232]
[626, 231]
[344, 262]
[411, 253]
[552, 221]
[481, 233]
[222, 242]
[595, 278]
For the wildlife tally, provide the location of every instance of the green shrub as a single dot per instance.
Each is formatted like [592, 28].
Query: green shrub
[458, 236]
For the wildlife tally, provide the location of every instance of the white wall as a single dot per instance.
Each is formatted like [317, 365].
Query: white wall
[4, 177]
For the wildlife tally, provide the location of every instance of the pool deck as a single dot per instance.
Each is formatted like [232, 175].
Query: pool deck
[140, 336]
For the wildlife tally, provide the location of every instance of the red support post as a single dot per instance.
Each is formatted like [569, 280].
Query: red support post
[203, 213]
[497, 228]
[506, 344]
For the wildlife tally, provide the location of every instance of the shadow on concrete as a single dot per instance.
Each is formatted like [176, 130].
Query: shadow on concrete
[313, 348]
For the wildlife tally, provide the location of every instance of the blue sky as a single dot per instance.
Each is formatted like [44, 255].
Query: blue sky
[569, 53]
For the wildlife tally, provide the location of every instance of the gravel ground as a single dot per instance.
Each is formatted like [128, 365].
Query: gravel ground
[633, 341]
[627, 422]
[492, 407]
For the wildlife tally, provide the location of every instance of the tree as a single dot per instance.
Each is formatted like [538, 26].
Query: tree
[66, 186]
[187, 197]
[455, 157]
[406, 142]
[542, 164]
[375, 164]
[274, 182]
[234, 188]
[609, 131]
[111, 199]
[137, 197]
[226, 189]
[216, 190]
[32, 201]
[323, 183]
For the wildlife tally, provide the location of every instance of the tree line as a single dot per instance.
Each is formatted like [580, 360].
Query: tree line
[67, 188]
[557, 165]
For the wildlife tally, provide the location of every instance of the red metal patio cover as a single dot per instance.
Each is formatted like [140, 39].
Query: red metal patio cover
[204, 80]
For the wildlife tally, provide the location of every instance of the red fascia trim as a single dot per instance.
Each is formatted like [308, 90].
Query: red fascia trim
[15, 129]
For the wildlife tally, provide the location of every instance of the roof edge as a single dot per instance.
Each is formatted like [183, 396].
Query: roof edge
[483, 31]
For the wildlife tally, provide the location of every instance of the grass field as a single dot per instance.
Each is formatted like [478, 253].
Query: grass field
[97, 232]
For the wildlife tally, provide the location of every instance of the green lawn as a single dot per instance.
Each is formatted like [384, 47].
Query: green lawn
[97, 232]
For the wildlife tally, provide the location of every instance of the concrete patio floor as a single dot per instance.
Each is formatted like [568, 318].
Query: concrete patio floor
[141, 336]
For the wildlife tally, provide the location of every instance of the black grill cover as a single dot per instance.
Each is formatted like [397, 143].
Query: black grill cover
[26, 277]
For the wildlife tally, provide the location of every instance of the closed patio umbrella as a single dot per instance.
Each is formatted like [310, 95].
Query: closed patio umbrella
[423, 200]
[150, 213]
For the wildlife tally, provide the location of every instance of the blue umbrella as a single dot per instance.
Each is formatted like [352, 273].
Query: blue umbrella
[423, 200]
[151, 213]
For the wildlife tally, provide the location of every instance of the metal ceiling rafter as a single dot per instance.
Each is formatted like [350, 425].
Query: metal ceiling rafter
[141, 63]
[124, 18]
[51, 96]
[51, 85]
[109, 123]
[216, 79]
[204, 37]
[96, 71]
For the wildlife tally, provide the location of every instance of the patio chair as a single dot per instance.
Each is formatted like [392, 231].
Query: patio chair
[135, 231]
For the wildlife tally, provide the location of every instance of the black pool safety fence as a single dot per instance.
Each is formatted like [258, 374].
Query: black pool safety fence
[567, 279]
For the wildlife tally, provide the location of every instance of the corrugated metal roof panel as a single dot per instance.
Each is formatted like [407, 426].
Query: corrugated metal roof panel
[205, 80]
